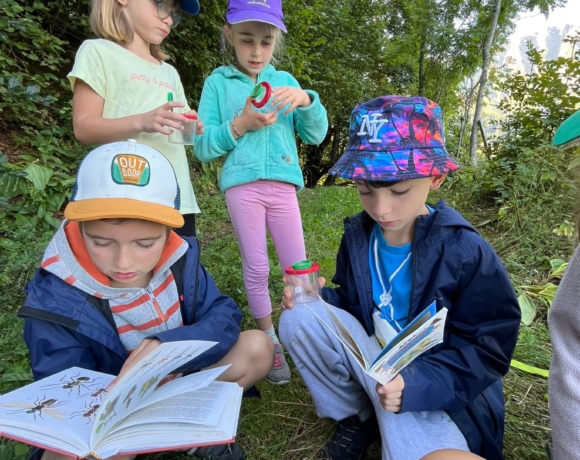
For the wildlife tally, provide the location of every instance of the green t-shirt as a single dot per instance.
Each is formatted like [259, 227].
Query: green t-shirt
[131, 85]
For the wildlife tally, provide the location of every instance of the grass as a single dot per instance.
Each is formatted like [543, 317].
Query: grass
[283, 423]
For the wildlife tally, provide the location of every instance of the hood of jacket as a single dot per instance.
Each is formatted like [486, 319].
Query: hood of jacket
[66, 257]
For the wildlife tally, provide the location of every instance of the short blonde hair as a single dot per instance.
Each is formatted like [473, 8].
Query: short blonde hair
[229, 53]
[107, 21]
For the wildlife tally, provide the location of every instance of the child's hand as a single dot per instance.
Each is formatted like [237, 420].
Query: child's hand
[288, 291]
[199, 126]
[296, 97]
[251, 120]
[146, 347]
[391, 394]
[158, 119]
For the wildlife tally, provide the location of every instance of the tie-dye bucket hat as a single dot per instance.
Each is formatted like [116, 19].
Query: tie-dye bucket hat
[394, 138]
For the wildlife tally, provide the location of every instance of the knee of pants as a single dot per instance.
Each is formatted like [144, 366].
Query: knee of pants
[256, 275]
[292, 321]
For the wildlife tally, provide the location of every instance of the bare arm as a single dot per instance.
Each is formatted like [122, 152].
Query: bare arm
[91, 128]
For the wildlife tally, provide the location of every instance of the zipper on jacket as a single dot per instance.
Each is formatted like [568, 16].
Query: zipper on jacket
[413, 247]
[160, 314]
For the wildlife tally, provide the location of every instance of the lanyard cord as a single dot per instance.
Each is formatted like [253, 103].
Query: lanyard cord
[386, 298]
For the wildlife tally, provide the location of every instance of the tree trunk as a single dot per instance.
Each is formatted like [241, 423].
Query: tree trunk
[483, 82]
[465, 117]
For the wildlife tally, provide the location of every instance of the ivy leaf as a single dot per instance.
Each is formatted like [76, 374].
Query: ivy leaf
[38, 175]
[528, 308]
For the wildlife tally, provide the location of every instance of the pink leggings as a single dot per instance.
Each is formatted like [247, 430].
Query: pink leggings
[253, 208]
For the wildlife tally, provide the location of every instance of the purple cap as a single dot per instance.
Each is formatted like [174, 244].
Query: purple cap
[189, 6]
[268, 11]
[395, 138]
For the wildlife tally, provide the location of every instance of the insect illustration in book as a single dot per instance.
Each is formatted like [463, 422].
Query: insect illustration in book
[148, 384]
[98, 393]
[166, 358]
[89, 412]
[148, 363]
[127, 399]
[76, 381]
[40, 406]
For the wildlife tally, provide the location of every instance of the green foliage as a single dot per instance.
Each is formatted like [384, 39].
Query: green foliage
[536, 103]
[36, 186]
[543, 293]
[30, 60]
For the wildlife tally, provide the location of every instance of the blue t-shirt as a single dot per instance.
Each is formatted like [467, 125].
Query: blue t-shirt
[392, 294]
[384, 261]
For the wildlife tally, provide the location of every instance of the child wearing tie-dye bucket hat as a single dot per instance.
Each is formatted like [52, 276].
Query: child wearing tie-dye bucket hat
[397, 257]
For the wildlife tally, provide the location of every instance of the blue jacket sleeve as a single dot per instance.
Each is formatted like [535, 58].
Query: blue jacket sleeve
[480, 337]
[215, 317]
[217, 139]
[311, 123]
[54, 348]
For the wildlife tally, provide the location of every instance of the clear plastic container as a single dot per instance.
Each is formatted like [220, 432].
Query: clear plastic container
[303, 278]
[262, 97]
[187, 135]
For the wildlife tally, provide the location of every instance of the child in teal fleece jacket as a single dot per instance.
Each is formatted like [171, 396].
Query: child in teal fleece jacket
[261, 173]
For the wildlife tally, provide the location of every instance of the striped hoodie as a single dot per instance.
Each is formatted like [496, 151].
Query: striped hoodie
[138, 312]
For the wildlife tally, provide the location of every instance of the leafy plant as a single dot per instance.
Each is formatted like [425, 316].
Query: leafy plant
[543, 293]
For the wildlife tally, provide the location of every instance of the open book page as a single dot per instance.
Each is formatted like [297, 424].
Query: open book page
[339, 331]
[171, 432]
[410, 328]
[56, 411]
[417, 340]
[203, 406]
[184, 384]
[135, 386]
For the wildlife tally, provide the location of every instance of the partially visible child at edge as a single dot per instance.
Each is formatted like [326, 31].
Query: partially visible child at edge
[85, 307]
[564, 324]
[397, 257]
[121, 84]
[261, 173]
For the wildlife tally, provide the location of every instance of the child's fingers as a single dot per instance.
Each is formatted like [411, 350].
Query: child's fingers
[168, 106]
[162, 130]
[270, 118]
[144, 348]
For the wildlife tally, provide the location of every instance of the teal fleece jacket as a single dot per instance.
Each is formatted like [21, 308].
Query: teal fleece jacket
[268, 153]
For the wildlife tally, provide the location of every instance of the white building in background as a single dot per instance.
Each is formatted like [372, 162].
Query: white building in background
[545, 34]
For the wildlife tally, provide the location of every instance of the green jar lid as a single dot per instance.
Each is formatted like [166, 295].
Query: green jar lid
[303, 264]
[257, 91]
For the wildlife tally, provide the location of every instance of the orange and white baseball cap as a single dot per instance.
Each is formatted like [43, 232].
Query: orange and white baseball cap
[125, 180]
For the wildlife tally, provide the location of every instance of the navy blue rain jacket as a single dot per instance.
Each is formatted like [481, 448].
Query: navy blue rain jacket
[455, 266]
[64, 327]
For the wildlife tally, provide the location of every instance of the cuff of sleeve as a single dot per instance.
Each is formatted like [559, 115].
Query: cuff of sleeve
[312, 107]
[226, 140]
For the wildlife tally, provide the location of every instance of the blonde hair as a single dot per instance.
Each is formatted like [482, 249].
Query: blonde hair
[229, 53]
[107, 21]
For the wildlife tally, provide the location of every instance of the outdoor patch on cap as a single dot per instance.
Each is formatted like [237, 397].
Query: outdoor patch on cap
[395, 138]
[127, 169]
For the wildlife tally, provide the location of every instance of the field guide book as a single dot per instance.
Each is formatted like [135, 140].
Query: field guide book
[72, 413]
[424, 332]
